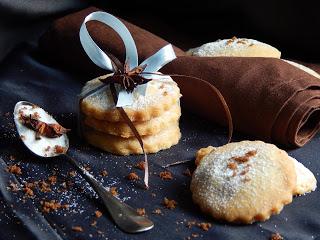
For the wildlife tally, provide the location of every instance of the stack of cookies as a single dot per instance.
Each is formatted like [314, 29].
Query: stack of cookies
[155, 116]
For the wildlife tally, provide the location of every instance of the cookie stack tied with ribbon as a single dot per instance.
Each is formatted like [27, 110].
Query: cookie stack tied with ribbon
[135, 109]
[155, 115]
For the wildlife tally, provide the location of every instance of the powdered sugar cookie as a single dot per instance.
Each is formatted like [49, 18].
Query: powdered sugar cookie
[125, 146]
[244, 182]
[235, 47]
[151, 127]
[161, 95]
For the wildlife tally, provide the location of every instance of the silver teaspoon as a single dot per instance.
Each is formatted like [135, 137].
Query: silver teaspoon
[125, 217]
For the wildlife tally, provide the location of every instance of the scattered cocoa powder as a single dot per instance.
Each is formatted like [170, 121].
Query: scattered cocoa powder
[204, 226]
[141, 211]
[157, 211]
[59, 149]
[15, 169]
[77, 229]
[133, 176]
[98, 213]
[104, 173]
[140, 165]
[276, 236]
[170, 204]
[113, 191]
[166, 175]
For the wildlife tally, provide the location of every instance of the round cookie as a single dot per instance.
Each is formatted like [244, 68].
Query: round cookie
[244, 182]
[151, 127]
[161, 95]
[303, 68]
[126, 146]
[235, 47]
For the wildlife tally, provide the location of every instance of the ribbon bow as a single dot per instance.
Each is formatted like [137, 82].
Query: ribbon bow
[131, 76]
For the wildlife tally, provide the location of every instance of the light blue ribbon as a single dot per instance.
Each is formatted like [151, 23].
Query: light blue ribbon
[101, 59]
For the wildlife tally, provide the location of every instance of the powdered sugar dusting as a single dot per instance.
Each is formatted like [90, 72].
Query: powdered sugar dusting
[219, 47]
[157, 89]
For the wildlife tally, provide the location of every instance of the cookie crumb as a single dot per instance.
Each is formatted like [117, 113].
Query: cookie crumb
[12, 158]
[276, 236]
[52, 205]
[190, 224]
[157, 211]
[104, 173]
[94, 223]
[98, 213]
[113, 191]
[72, 173]
[165, 175]
[133, 176]
[170, 204]
[13, 187]
[140, 165]
[141, 211]
[77, 229]
[232, 165]
[47, 149]
[28, 191]
[15, 169]
[59, 149]
[204, 226]
[52, 179]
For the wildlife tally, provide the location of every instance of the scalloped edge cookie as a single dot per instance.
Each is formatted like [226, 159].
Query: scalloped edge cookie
[126, 146]
[161, 94]
[244, 182]
[151, 127]
[235, 47]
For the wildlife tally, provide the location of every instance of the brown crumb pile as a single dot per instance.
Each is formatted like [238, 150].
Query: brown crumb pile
[59, 149]
[166, 175]
[52, 205]
[276, 236]
[246, 157]
[44, 187]
[204, 226]
[28, 191]
[15, 169]
[104, 173]
[141, 211]
[52, 180]
[98, 213]
[170, 204]
[77, 229]
[113, 191]
[140, 165]
[133, 176]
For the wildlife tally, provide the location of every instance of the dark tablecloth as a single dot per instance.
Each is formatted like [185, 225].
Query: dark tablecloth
[24, 76]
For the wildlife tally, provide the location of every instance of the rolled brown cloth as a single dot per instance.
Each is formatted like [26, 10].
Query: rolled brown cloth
[268, 98]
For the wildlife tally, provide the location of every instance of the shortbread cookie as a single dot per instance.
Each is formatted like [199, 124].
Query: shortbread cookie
[306, 181]
[161, 95]
[235, 47]
[125, 146]
[244, 182]
[303, 68]
[151, 127]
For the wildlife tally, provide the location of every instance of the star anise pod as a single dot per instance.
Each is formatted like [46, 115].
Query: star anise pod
[128, 79]
[49, 130]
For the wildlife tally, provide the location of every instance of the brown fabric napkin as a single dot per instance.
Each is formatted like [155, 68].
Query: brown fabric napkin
[268, 98]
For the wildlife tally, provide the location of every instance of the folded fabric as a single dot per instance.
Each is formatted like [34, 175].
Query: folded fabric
[268, 98]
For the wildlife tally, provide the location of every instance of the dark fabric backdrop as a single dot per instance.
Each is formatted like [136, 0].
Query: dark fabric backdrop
[291, 26]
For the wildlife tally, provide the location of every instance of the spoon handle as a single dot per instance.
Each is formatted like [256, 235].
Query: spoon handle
[124, 216]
